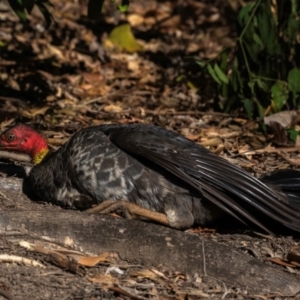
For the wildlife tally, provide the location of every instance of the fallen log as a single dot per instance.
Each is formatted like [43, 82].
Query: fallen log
[138, 242]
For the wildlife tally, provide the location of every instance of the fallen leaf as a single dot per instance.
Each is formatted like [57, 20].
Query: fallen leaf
[279, 261]
[211, 142]
[90, 261]
[104, 279]
[284, 118]
[34, 112]
[145, 273]
[135, 19]
[123, 38]
[112, 108]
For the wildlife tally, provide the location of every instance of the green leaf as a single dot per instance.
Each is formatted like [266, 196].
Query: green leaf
[233, 80]
[267, 28]
[180, 77]
[262, 85]
[293, 24]
[123, 7]
[95, 8]
[224, 58]
[258, 41]
[253, 49]
[251, 85]
[225, 91]
[201, 63]
[235, 77]
[123, 37]
[261, 110]
[244, 14]
[248, 104]
[293, 133]
[220, 74]
[18, 8]
[264, 28]
[280, 93]
[294, 80]
[213, 74]
[255, 22]
[292, 28]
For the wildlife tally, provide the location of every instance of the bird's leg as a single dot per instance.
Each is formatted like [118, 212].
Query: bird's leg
[99, 208]
[129, 209]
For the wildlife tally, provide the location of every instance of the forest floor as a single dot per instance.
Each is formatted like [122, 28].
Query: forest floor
[69, 76]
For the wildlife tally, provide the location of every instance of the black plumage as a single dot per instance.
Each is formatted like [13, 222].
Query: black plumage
[159, 170]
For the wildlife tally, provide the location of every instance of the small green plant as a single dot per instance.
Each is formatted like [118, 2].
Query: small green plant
[263, 74]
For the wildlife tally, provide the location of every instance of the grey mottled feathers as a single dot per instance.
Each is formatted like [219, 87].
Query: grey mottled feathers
[159, 170]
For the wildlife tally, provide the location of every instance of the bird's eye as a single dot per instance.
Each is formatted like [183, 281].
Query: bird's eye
[10, 137]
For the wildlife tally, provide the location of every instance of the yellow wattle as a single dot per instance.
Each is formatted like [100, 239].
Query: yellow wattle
[38, 158]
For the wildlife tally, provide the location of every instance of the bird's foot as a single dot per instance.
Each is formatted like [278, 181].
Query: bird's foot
[129, 211]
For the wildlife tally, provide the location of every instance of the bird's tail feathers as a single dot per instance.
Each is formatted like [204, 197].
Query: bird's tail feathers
[287, 182]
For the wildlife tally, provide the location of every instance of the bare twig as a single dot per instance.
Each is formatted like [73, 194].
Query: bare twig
[15, 156]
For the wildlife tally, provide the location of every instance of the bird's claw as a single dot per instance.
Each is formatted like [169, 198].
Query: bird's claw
[129, 211]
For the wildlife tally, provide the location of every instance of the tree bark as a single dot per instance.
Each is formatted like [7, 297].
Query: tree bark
[138, 242]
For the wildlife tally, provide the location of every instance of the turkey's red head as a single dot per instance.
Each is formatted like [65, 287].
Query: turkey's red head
[24, 139]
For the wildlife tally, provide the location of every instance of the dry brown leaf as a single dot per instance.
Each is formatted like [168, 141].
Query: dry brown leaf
[34, 112]
[219, 149]
[93, 78]
[55, 52]
[279, 261]
[90, 261]
[241, 121]
[112, 108]
[133, 65]
[13, 84]
[243, 149]
[6, 123]
[284, 118]
[135, 19]
[66, 103]
[193, 137]
[57, 142]
[65, 111]
[160, 274]
[171, 22]
[106, 279]
[229, 135]
[145, 273]
[212, 142]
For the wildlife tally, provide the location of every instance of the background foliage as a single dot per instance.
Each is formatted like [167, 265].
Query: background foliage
[261, 74]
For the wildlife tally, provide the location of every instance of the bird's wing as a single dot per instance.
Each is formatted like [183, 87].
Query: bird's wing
[228, 186]
[289, 182]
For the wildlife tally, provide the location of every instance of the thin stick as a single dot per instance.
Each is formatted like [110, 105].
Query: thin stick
[15, 156]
